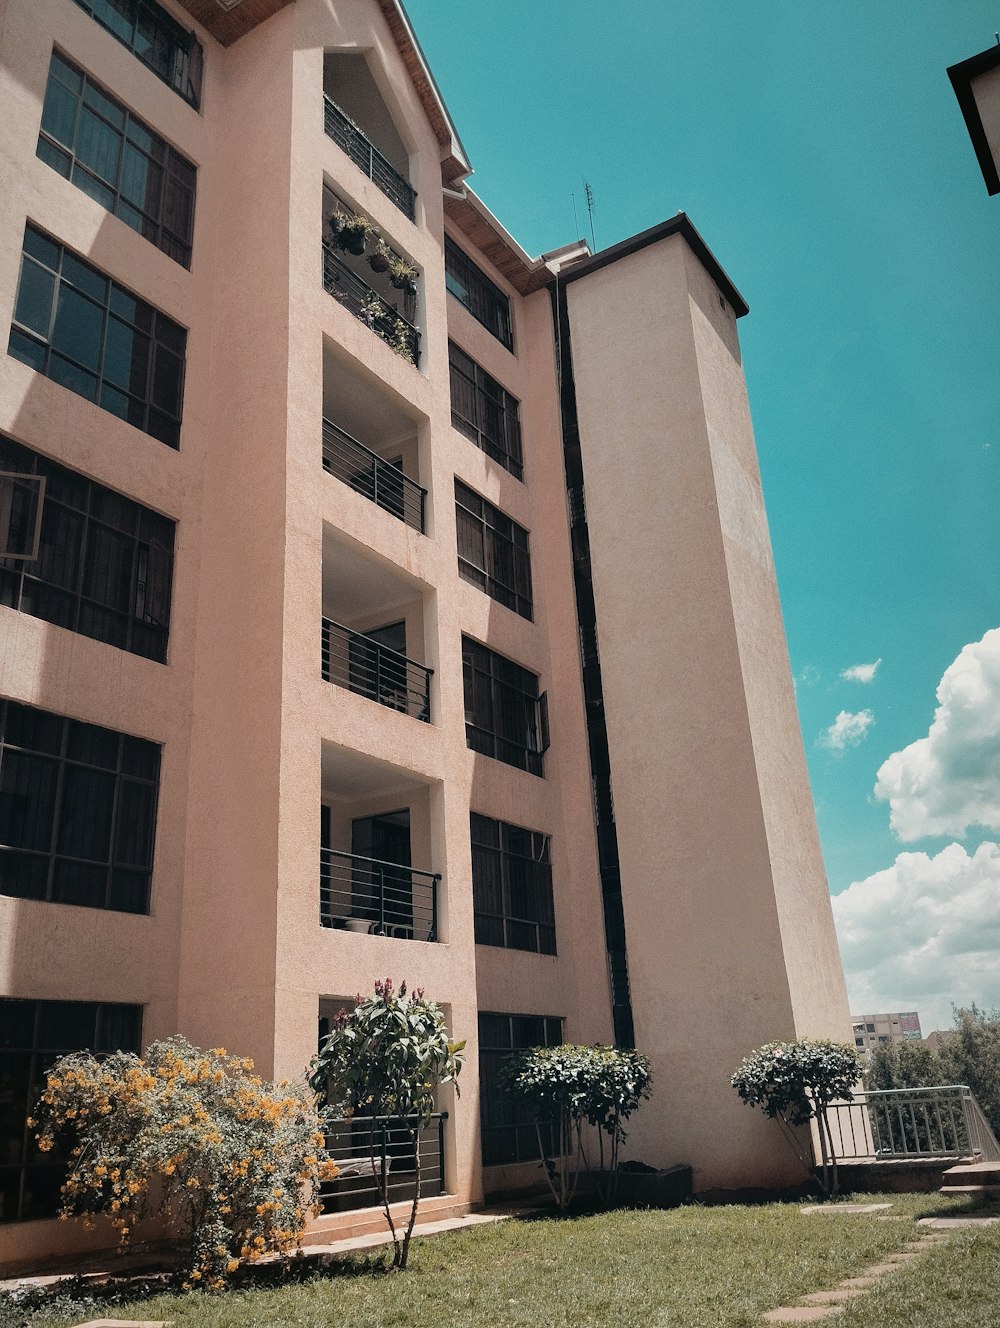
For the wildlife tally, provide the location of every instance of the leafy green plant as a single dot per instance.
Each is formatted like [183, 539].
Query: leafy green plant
[795, 1082]
[971, 1055]
[386, 1058]
[400, 341]
[233, 1160]
[573, 1086]
[401, 273]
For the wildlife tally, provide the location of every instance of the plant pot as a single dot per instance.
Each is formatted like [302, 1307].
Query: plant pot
[353, 241]
[379, 261]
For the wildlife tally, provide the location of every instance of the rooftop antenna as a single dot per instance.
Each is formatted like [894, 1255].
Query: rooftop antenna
[589, 195]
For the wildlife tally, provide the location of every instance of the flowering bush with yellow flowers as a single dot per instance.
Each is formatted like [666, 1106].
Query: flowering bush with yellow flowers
[234, 1161]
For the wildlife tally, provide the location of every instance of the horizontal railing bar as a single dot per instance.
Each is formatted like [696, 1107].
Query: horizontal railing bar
[396, 474]
[379, 862]
[359, 295]
[385, 650]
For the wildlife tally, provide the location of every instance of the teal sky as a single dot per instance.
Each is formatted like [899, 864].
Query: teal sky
[821, 152]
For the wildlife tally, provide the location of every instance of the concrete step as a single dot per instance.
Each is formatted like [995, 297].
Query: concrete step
[979, 1178]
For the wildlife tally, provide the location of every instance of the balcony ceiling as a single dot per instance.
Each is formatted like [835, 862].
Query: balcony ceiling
[229, 20]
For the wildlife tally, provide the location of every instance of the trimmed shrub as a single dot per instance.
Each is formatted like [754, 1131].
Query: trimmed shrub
[234, 1161]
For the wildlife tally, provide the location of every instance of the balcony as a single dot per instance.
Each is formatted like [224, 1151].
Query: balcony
[363, 152]
[366, 665]
[370, 1148]
[367, 473]
[367, 895]
[379, 311]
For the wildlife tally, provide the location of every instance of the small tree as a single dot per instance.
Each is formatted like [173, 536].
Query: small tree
[572, 1085]
[795, 1082]
[235, 1161]
[385, 1059]
[909, 1064]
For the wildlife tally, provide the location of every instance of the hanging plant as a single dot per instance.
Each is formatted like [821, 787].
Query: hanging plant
[402, 274]
[380, 259]
[353, 233]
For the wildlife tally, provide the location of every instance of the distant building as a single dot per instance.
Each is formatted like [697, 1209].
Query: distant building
[977, 86]
[936, 1040]
[882, 1030]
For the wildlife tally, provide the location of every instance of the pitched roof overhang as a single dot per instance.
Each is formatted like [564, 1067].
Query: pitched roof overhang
[962, 76]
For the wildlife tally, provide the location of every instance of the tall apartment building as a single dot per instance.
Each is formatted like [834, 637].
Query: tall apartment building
[400, 607]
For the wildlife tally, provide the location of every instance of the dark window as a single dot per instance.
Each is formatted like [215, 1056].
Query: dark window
[512, 886]
[104, 563]
[77, 811]
[508, 1129]
[33, 1034]
[504, 715]
[159, 41]
[492, 551]
[484, 411]
[114, 157]
[79, 328]
[473, 288]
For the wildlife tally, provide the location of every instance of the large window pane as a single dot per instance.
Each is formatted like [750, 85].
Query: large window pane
[99, 357]
[34, 298]
[118, 160]
[32, 1034]
[78, 328]
[75, 827]
[151, 33]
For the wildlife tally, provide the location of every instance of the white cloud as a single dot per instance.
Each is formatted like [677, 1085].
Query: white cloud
[847, 730]
[809, 676]
[861, 672]
[924, 933]
[950, 780]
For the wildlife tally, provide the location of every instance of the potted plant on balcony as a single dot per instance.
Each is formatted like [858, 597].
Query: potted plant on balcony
[353, 233]
[372, 309]
[402, 274]
[381, 257]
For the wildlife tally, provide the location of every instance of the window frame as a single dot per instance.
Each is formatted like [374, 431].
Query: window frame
[63, 818]
[504, 568]
[116, 1027]
[70, 497]
[477, 293]
[498, 839]
[513, 696]
[46, 264]
[491, 404]
[185, 52]
[130, 134]
[515, 1121]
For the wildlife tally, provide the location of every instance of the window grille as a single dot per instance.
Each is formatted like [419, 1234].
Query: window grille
[492, 551]
[473, 288]
[512, 886]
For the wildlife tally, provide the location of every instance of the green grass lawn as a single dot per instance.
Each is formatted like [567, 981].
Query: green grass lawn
[696, 1267]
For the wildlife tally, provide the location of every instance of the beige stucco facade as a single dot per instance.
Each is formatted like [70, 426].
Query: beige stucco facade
[727, 921]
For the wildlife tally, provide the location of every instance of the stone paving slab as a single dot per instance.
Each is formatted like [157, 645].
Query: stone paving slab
[945, 1222]
[835, 1297]
[838, 1210]
[377, 1238]
[861, 1282]
[801, 1313]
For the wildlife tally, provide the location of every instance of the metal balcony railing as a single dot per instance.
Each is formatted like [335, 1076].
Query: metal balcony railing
[370, 307]
[891, 1124]
[346, 134]
[380, 898]
[368, 1149]
[369, 474]
[355, 661]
